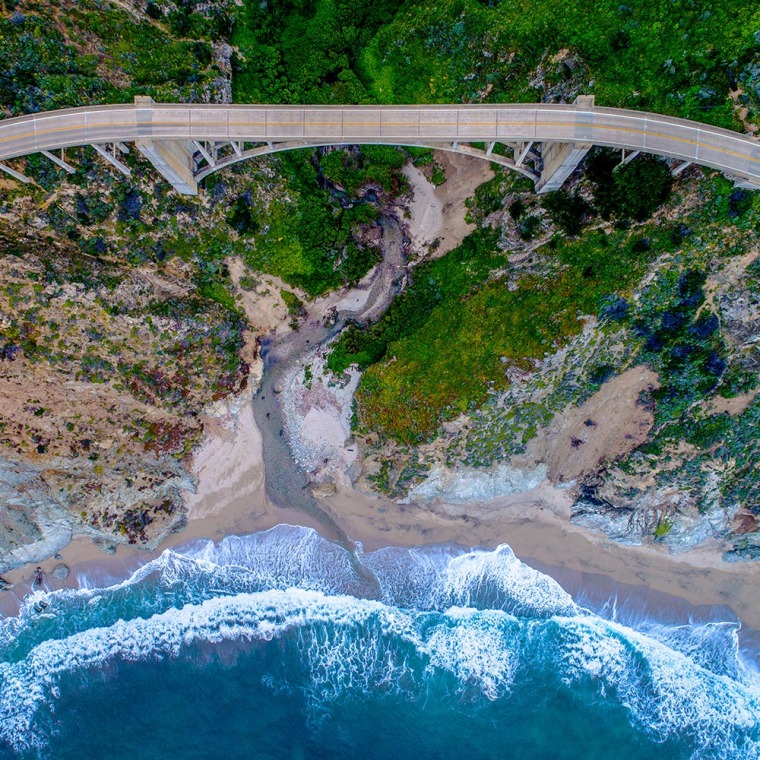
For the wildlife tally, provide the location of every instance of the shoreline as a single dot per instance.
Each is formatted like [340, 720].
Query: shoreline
[588, 565]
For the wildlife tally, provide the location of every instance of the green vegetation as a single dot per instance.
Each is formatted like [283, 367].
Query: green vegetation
[305, 52]
[681, 341]
[453, 356]
[377, 165]
[630, 191]
[313, 237]
[41, 67]
[569, 211]
[442, 349]
[438, 177]
[293, 302]
[436, 283]
[663, 528]
[672, 57]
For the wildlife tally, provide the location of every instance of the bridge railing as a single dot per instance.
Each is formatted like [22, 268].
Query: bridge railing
[185, 142]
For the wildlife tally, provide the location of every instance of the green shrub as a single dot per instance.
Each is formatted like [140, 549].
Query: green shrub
[640, 188]
[293, 302]
[440, 281]
[529, 227]
[567, 210]
[632, 191]
[242, 217]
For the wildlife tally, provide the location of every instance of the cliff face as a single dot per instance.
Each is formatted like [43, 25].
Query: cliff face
[33, 526]
[696, 478]
[104, 371]
[111, 344]
[615, 357]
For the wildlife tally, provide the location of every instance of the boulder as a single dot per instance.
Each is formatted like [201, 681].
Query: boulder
[60, 572]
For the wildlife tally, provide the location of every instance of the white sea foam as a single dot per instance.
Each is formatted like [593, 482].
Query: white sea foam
[480, 648]
[714, 645]
[484, 579]
[26, 685]
[667, 693]
[348, 645]
[476, 619]
[283, 556]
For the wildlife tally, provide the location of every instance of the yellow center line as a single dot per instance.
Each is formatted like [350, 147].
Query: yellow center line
[379, 125]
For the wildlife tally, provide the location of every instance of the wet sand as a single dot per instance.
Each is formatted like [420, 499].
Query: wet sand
[585, 562]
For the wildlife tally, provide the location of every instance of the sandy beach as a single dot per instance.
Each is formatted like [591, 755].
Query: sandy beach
[231, 499]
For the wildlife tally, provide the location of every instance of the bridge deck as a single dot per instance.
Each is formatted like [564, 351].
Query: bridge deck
[674, 138]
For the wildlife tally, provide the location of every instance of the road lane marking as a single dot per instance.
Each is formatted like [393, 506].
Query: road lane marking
[186, 124]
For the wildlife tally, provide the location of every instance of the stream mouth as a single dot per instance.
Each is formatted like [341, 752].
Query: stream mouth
[286, 484]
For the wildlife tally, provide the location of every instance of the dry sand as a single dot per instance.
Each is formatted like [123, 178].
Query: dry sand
[231, 499]
[438, 213]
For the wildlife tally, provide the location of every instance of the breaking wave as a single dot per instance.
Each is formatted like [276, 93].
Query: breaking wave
[442, 626]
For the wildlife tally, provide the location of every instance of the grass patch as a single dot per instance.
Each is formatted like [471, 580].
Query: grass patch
[433, 356]
[438, 282]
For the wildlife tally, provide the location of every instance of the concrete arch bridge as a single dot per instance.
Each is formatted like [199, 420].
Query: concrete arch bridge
[187, 142]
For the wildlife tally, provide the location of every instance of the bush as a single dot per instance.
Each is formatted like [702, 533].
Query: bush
[293, 302]
[516, 208]
[567, 210]
[131, 206]
[640, 188]
[630, 191]
[241, 218]
[529, 227]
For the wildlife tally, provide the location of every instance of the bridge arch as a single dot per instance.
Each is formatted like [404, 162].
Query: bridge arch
[266, 150]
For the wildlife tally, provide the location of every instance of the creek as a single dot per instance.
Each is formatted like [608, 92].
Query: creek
[286, 484]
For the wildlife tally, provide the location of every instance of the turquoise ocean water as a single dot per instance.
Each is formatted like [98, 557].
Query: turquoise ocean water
[283, 645]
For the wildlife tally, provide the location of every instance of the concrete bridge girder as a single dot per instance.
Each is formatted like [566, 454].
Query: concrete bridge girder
[545, 142]
[276, 147]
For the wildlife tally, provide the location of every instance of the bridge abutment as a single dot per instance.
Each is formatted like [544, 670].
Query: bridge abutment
[560, 161]
[173, 161]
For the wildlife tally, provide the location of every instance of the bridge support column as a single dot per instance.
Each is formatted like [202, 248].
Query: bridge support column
[521, 151]
[561, 159]
[682, 167]
[59, 161]
[112, 159]
[627, 159]
[745, 184]
[16, 175]
[173, 159]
